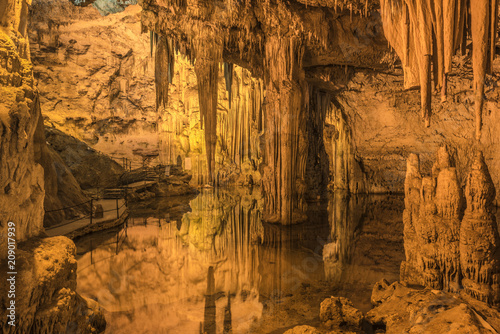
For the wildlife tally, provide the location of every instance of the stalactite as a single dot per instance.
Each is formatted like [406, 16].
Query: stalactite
[228, 75]
[207, 75]
[479, 29]
[151, 42]
[441, 24]
[284, 129]
[162, 59]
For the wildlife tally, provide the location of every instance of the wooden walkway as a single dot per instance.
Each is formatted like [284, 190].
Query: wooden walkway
[114, 207]
[111, 215]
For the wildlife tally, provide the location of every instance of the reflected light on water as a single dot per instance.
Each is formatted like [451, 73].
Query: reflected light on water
[220, 269]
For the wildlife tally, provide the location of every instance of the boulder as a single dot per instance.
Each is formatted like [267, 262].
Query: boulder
[339, 311]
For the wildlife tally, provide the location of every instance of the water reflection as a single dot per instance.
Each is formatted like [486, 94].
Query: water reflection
[345, 215]
[219, 269]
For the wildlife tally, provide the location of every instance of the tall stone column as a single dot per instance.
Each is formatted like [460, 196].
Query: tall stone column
[286, 142]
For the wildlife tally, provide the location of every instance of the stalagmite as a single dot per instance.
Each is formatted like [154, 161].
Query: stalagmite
[443, 250]
[479, 238]
[431, 217]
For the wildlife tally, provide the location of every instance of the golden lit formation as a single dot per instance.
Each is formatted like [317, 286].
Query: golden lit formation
[249, 166]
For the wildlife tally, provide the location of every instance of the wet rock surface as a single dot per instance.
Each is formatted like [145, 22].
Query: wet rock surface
[408, 310]
[46, 298]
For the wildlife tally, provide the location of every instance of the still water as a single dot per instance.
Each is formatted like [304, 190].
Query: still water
[220, 269]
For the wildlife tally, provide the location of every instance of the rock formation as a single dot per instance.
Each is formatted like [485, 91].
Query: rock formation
[46, 301]
[479, 239]
[330, 85]
[92, 169]
[45, 297]
[337, 311]
[273, 51]
[407, 310]
[21, 181]
[444, 250]
[426, 35]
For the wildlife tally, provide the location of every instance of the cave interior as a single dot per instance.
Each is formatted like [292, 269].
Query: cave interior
[249, 166]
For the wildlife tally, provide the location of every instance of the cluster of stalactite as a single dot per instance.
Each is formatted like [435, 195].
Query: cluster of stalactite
[285, 126]
[239, 126]
[426, 35]
[345, 170]
[317, 164]
[243, 118]
[206, 55]
[443, 249]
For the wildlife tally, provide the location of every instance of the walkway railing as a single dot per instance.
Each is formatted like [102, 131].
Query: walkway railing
[93, 213]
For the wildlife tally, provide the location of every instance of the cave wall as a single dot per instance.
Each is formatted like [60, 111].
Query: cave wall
[61, 188]
[21, 182]
[96, 77]
[45, 298]
[386, 126]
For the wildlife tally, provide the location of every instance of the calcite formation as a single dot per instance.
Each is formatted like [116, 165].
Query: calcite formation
[271, 40]
[407, 310]
[426, 35]
[445, 248]
[479, 239]
[432, 224]
[46, 300]
[21, 180]
[360, 112]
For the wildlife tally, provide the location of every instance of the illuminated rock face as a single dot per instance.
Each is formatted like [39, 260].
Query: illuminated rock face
[430, 32]
[479, 239]
[96, 77]
[46, 301]
[443, 249]
[21, 180]
[238, 130]
[275, 42]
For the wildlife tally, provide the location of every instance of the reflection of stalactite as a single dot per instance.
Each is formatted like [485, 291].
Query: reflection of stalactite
[346, 214]
[227, 316]
[209, 325]
[232, 228]
[428, 31]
